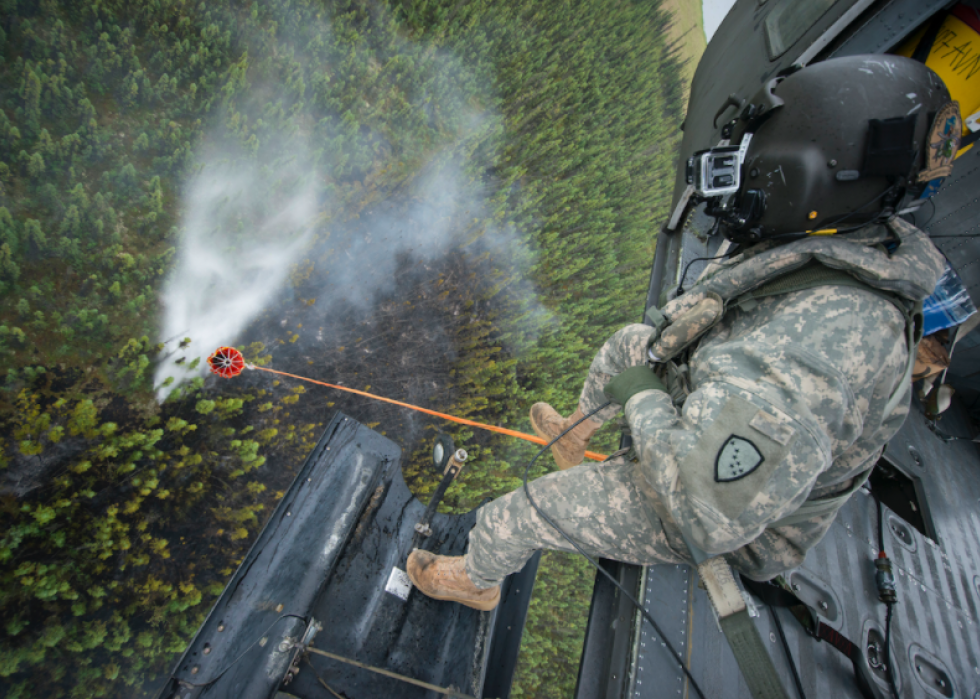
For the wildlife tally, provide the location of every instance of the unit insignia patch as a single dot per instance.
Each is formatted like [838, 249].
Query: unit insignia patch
[737, 458]
[943, 142]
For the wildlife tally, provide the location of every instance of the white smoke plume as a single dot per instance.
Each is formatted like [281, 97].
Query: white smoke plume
[247, 222]
[236, 250]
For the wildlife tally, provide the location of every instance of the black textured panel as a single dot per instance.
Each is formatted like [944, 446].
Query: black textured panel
[442, 643]
[326, 554]
[236, 651]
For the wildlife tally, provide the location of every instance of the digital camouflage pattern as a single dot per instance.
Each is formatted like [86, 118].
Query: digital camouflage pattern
[688, 326]
[803, 376]
[598, 505]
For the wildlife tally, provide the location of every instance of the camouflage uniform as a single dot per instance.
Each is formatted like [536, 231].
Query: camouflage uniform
[787, 404]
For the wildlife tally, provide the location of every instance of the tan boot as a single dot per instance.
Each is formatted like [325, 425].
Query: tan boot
[444, 577]
[570, 449]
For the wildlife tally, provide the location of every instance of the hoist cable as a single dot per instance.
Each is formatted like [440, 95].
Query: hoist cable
[461, 420]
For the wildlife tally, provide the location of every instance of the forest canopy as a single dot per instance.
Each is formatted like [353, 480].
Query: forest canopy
[552, 123]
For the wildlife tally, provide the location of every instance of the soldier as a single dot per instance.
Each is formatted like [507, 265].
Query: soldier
[761, 399]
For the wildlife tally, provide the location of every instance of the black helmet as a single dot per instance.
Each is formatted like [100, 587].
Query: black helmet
[830, 147]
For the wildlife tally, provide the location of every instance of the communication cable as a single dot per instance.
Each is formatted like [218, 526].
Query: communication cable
[888, 606]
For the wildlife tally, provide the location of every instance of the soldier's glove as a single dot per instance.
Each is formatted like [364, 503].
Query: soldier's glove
[632, 381]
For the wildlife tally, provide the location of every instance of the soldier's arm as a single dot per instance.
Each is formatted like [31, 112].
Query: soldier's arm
[727, 466]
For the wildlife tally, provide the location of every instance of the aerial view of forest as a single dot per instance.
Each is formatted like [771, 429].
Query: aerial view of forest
[446, 202]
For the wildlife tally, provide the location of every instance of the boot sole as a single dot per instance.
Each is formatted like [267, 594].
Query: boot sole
[482, 606]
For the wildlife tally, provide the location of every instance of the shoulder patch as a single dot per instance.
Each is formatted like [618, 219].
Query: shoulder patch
[737, 458]
[943, 142]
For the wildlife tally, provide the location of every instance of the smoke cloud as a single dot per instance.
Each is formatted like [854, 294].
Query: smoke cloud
[249, 222]
[239, 242]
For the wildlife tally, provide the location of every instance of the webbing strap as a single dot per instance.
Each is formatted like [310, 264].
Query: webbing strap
[753, 658]
[812, 275]
[656, 318]
[841, 643]
[776, 596]
[811, 509]
[741, 633]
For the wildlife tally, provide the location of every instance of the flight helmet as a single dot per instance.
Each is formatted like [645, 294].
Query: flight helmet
[829, 148]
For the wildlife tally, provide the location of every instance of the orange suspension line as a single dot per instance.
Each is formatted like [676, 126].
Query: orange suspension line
[461, 420]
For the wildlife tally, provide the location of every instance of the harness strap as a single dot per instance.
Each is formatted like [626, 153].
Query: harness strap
[779, 596]
[741, 633]
[810, 509]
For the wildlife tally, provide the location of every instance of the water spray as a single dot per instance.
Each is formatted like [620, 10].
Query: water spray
[228, 362]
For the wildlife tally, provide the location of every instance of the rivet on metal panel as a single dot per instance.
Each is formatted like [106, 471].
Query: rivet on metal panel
[916, 457]
[195, 669]
[278, 607]
[772, 637]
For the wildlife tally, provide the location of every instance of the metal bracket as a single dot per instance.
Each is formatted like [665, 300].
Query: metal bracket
[299, 648]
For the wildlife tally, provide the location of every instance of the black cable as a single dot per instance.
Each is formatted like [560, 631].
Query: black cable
[245, 652]
[888, 606]
[888, 651]
[881, 526]
[680, 285]
[789, 655]
[627, 595]
[931, 216]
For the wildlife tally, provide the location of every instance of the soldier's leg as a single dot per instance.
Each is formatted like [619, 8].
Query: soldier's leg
[596, 504]
[626, 348]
